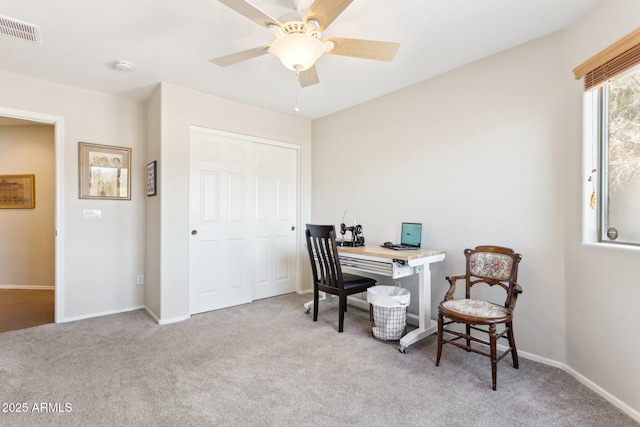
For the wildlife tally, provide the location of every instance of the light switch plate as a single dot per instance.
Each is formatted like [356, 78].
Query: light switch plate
[92, 214]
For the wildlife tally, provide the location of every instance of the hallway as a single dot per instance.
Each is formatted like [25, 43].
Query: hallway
[23, 308]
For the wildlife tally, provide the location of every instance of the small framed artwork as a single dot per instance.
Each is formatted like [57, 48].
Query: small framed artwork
[104, 172]
[151, 178]
[17, 191]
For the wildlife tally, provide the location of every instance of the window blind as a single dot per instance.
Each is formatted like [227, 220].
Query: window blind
[613, 61]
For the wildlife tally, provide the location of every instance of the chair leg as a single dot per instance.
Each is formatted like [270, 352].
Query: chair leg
[494, 362]
[512, 344]
[316, 302]
[440, 326]
[342, 307]
[468, 329]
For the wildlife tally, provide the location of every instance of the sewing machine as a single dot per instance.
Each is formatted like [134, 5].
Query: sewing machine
[357, 239]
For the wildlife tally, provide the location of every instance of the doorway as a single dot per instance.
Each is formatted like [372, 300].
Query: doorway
[25, 308]
[38, 298]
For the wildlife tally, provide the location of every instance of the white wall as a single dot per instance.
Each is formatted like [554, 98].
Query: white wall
[474, 156]
[101, 258]
[491, 153]
[602, 282]
[152, 212]
[27, 244]
[179, 109]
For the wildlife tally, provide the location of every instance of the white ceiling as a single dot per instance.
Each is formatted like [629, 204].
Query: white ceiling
[173, 40]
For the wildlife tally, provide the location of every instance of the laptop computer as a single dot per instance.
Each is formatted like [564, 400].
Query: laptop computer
[410, 237]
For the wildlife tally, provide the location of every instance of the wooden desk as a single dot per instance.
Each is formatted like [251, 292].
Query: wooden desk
[375, 260]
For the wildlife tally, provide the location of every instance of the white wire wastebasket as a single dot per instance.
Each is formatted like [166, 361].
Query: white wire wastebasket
[389, 304]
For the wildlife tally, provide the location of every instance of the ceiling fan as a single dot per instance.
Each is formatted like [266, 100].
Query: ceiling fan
[297, 40]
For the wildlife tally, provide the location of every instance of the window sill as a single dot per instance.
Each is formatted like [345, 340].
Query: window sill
[613, 246]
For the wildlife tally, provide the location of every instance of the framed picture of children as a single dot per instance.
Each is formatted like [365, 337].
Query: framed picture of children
[104, 172]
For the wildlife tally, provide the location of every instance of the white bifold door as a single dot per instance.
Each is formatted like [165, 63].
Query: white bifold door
[242, 219]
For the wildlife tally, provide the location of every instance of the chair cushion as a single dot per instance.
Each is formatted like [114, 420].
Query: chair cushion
[476, 308]
[351, 281]
[494, 266]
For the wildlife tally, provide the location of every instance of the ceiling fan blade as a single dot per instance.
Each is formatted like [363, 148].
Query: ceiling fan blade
[367, 49]
[308, 77]
[325, 11]
[234, 58]
[248, 10]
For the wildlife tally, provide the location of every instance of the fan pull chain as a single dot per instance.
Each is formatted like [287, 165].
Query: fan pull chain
[298, 98]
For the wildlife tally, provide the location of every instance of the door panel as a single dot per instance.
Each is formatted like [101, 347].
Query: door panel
[278, 172]
[210, 255]
[217, 214]
[243, 208]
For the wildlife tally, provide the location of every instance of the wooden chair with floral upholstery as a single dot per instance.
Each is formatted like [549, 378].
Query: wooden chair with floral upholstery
[487, 265]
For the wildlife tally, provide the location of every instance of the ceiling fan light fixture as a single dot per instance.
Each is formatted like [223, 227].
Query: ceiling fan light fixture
[297, 52]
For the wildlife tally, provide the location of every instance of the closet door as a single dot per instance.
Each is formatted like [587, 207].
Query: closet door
[242, 214]
[276, 206]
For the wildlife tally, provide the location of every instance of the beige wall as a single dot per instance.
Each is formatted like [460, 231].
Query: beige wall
[175, 110]
[152, 212]
[602, 281]
[480, 150]
[491, 153]
[99, 259]
[27, 244]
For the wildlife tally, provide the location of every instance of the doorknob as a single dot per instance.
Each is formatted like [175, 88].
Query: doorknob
[194, 232]
[293, 228]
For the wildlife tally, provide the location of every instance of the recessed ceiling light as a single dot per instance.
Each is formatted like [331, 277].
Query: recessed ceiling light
[123, 65]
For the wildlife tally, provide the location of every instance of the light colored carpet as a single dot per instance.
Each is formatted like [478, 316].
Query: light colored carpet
[268, 364]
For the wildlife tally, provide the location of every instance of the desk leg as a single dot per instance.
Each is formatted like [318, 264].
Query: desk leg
[426, 326]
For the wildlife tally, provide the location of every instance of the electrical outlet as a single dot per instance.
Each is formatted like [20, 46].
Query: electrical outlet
[140, 279]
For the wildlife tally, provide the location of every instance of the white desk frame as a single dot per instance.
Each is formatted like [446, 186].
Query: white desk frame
[376, 260]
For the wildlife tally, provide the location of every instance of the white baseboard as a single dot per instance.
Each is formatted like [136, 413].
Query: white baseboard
[152, 314]
[165, 321]
[104, 313]
[413, 319]
[602, 392]
[587, 382]
[29, 287]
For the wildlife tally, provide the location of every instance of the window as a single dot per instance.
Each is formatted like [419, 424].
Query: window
[612, 81]
[619, 159]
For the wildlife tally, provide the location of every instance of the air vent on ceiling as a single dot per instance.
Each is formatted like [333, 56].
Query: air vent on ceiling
[20, 30]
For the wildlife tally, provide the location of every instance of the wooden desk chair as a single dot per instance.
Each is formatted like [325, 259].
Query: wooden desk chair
[489, 265]
[327, 273]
